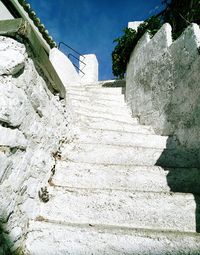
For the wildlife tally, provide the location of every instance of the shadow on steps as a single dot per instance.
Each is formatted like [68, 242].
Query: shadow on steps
[183, 166]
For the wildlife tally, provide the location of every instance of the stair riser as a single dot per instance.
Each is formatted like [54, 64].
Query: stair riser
[101, 103]
[94, 97]
[101, 91]
[152, 179]
[105, 124]
[111, 154]
[109, 120]
[111, 177]
[75, 241]
[120, 138]
[95, 114]
[103, 154]
[120, 208]
[123, 110]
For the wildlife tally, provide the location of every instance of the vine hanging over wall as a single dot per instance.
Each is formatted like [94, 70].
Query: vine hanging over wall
[128, 41]
[178, 13]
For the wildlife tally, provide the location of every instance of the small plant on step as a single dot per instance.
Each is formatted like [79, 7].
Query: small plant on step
[43, 194]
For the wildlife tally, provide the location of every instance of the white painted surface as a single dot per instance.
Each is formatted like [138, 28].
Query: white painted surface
[88, 240]
[12, 138]
[4, 13]
[32, 123]
[135, 24]
[110, 198]
[90, 69]
[123, 177]
[122, 208]
[11, 62]
[64, 68]
[162, 84]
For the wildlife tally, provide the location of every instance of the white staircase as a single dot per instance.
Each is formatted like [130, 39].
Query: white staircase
[108, 196]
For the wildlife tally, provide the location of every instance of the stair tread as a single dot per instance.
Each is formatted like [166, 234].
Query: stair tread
[106, 103]
[106, 124]
[115, 117]
[128, 155]
[107, 120]
[122, 138]
[112, 241]
[116, 107]
[152, 210]
[93, 90]
[99, 97]
[136, 178]
[123, 111]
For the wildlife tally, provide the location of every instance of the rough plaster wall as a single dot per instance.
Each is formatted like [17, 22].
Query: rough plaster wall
[162, 84]
[33, 124]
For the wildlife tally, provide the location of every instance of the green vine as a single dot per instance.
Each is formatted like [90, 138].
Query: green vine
[178, 13]
[128, 41]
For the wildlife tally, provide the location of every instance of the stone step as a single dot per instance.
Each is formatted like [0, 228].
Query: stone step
[77, 239]
[116, 109]
[100, 97]
[96, 90]
[166, 211]
[96, 116]
[106, 124]
[88, 109]
[135, 178]
[128, 155]
[102, 84]
[136, 129]
[124, 138]
[90, 112]
[97, 102]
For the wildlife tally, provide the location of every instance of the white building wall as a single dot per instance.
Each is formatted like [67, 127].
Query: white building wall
[4, 13]
[90, 68]
[64, 68]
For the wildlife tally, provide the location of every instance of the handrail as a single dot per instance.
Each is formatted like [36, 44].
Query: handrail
[78, 69]
[60, 43]
[76, 58]
[70, 48]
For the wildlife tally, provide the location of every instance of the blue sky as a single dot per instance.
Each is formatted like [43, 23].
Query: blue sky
[90, 26]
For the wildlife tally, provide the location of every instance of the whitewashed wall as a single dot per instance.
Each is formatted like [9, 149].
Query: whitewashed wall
[67, 72]
[90, 69]
[4, 13]
[162, 84]
[64, 68]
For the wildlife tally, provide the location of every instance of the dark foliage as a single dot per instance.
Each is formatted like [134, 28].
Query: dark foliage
[126, 44]
[178, 13]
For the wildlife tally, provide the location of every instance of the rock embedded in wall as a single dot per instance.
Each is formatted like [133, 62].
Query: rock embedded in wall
[33, 124]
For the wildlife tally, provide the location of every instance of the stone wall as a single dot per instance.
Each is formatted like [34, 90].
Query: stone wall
[33, 124]
[162, 84]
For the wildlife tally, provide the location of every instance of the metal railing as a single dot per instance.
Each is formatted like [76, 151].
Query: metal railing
[70, 56]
